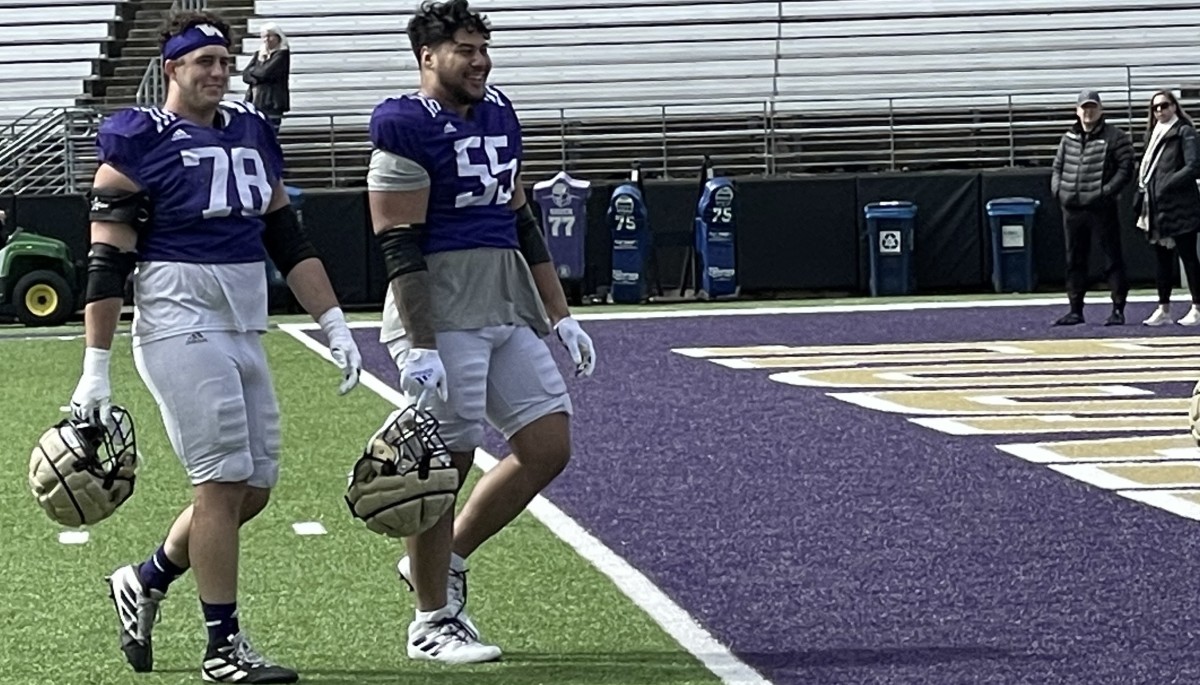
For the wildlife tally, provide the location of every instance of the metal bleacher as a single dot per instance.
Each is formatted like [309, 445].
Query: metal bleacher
[765, 87]
[771, 87]
[48, 51]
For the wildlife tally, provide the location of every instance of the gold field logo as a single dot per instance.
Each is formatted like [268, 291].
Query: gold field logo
[1024, 388]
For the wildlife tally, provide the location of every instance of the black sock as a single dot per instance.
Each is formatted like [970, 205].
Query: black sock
[222, 623]
[158, 572]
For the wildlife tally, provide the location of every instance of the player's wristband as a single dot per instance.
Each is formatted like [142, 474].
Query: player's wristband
[95, 362]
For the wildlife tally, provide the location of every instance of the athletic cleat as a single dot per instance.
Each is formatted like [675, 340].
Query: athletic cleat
[456, 588]
[137, 612]
[445, 638]
[237, 662]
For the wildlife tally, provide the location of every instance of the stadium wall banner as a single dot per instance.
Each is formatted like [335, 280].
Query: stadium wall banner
[339, 225]
[948, 241]
[798, 234]
[794, 234]
[1049, 251]
[64, 217]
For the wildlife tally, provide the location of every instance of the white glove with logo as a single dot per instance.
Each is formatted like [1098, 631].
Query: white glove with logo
[423, 373]
[583, 352]
[342, 348]
[92, 400]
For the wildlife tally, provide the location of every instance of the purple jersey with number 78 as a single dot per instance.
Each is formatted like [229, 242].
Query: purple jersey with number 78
[471, 163]
[209, 185]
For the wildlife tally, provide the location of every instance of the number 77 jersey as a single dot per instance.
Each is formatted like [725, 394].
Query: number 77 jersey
[470, 165]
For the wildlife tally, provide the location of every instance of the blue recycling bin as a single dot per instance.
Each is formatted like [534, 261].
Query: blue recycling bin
[1010, 220]
[890, 228]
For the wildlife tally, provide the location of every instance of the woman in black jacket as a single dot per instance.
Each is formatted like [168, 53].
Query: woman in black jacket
[1168, 202]
[268, 73]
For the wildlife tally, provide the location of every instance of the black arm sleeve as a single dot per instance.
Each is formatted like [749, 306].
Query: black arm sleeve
[108, 268]
[529, 234]
[286, 242]
[401, 247]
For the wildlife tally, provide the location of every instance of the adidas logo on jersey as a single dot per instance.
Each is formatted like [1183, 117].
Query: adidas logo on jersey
[180, 135]
[449, 128]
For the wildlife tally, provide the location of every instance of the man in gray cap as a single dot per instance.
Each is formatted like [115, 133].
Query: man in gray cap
[1093, 165]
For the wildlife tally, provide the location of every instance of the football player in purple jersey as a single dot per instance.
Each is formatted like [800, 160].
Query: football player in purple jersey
[472, 293]
[189, 197]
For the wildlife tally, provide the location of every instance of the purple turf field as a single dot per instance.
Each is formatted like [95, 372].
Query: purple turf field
[828, 543]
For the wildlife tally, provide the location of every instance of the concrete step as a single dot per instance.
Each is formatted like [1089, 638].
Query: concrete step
[128, 72]
[125, 62]
[141, 51]
[153, 20]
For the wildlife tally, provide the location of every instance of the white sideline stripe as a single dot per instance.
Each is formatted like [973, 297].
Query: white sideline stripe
[74, 537]
[655, 313]
[633, 583]
[666, 313]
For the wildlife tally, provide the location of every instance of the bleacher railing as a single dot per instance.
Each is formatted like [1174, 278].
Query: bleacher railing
[788, 135]
[52, 154]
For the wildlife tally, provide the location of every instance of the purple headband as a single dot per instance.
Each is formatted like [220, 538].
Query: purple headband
[198, 36]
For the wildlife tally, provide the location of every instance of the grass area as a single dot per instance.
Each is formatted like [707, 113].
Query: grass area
[328, 605]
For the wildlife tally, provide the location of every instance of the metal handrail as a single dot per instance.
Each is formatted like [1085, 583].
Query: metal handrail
[152, 88]
[52, 155]
[787, 134]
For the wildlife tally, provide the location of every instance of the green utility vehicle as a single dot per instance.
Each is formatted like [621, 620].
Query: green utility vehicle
[39, 283]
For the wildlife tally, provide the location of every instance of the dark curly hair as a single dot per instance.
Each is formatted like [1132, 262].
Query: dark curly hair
[437, 22]
[178, 22]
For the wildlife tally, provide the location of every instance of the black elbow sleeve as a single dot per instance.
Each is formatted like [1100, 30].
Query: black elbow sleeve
[121, 206]
[401, 246]
[108, 269]
[529, 235]
[286, 242]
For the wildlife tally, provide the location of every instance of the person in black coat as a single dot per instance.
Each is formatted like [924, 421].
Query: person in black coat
[267, 75]
[1168, 202]
[1093, 165]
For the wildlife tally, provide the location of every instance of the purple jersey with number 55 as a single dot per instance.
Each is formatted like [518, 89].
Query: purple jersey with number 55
[472, 165]
[209, 186]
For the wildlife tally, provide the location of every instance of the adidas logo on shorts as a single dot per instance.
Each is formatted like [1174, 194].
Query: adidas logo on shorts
[196, 338]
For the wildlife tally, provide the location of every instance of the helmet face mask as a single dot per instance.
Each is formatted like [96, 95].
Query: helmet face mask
[106, 448]
[404, 481]
[414, 433]
[81, 474]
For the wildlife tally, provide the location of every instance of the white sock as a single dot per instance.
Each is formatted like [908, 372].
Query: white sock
[427, 616]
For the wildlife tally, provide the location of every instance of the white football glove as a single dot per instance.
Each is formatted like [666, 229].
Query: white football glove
[342, 348]
[583, 352]
[92, 400]
[423, 373]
